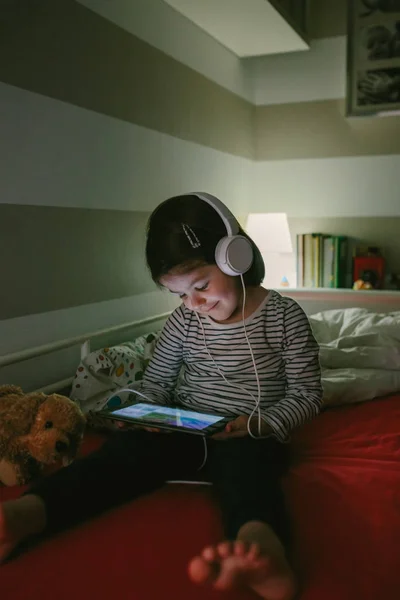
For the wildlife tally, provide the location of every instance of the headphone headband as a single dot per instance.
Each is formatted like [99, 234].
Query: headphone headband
[229, 220]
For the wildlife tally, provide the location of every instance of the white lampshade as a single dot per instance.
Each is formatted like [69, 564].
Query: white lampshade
[270, 232]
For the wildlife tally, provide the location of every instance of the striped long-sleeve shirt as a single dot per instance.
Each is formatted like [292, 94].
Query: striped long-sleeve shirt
[286, 354]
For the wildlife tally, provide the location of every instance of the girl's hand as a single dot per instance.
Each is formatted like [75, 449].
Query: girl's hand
[238, 428]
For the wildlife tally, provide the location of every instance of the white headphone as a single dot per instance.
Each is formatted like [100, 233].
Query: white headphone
[234, 253]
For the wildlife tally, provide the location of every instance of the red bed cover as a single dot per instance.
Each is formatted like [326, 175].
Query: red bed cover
[343, 493]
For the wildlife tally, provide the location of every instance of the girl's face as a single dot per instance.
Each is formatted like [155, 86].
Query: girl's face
[207, 290]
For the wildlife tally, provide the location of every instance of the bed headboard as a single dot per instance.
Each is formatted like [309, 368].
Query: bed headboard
[316, 300]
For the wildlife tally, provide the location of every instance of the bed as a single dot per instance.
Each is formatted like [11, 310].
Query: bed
[343, 496]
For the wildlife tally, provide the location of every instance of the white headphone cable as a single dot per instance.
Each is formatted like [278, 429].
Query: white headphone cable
[257, 406]
[256, 400]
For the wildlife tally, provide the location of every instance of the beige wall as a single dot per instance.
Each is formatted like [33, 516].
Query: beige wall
[319, 129]
[69, 257]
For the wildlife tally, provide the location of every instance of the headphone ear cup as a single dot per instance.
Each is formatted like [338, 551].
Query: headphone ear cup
[234, 255]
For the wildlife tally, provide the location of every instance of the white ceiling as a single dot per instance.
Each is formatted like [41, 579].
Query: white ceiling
[246, 27]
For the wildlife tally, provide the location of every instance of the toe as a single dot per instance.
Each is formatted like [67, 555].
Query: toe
[225, 549]
[240, 548]
[200, 570]
[254, 551]
[209, 554]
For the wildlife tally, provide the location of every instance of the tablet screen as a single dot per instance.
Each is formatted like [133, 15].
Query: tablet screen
[177, 417]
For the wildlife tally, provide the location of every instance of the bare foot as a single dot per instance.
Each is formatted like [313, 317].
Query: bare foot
[20, 519]
[261, 567]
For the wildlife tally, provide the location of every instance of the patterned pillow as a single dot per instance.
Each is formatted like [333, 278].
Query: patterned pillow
[109, 369]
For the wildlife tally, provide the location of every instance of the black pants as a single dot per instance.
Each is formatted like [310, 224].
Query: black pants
[245, 474]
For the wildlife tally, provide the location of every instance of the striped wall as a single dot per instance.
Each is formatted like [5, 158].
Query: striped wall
[97, 127]
[67, 52]
[311, 159]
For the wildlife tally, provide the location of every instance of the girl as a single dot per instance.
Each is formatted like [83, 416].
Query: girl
[226, 349]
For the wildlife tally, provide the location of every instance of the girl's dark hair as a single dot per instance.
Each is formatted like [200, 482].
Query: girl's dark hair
[168, 247]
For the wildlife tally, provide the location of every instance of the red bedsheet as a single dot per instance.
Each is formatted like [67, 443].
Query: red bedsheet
[343, 494]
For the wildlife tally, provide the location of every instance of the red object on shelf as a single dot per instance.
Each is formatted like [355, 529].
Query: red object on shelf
[369, 268]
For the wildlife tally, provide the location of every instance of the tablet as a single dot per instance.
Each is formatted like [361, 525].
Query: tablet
[167, 417]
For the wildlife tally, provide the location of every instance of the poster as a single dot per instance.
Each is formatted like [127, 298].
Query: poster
[373, 57]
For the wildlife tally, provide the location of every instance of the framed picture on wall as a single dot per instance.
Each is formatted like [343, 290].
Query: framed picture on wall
[373, 57]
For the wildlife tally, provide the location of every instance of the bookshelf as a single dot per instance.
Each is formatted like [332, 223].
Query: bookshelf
[382, 232]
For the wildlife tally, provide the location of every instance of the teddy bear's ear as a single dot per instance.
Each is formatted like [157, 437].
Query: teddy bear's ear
[7, 390]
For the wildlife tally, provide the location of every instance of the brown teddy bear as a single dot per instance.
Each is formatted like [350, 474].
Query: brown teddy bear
[36, 430]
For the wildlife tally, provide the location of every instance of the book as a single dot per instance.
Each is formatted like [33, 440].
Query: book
[300, 259]
[308, 261]
[340, 261]
[328, 262]
[317, 259]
